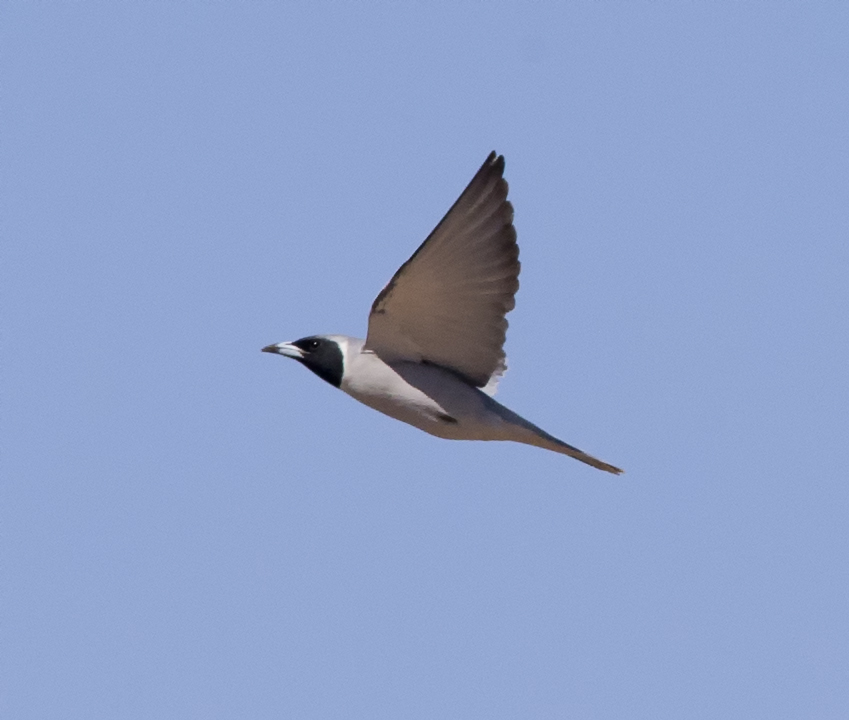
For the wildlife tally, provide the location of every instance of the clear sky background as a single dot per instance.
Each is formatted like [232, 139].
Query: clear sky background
[192, 529]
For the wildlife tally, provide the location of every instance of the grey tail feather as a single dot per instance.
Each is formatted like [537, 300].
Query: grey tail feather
[566, 449]
[540, 438]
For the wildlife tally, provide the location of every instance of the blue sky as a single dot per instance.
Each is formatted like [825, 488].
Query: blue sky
[192, 529]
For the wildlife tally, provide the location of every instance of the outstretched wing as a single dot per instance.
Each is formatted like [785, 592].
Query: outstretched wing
[446, 304]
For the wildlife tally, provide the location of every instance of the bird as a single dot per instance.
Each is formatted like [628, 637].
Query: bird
[434, 351]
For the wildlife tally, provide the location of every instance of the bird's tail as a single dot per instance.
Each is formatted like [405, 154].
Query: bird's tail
[540, 438]
[544, 440]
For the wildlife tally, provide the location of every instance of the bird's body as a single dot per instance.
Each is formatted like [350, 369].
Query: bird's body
[433, 355]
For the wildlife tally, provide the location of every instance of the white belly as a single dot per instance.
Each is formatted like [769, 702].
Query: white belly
[425, 396]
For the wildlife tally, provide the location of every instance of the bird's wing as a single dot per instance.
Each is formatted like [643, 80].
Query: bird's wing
[446, 304]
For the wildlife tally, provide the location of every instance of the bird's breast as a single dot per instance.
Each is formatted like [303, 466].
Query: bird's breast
[425, 396]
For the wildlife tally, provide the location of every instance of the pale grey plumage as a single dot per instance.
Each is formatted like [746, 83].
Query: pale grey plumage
[436, 332]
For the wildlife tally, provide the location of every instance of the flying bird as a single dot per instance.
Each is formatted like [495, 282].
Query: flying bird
[434, 352]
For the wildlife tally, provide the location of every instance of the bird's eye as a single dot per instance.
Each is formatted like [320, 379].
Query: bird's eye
[313, 344]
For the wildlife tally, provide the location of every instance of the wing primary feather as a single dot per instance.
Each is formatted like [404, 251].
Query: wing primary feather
[492, 164]
[446, 304]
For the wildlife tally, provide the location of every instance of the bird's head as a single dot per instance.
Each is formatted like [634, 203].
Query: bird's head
[322, 354]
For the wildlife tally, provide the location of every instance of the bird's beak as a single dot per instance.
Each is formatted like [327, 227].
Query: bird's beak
[285, 349]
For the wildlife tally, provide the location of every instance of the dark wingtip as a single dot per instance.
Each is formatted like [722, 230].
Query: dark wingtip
[495, 162]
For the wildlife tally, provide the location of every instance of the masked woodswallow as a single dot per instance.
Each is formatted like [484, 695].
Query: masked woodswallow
[434, 350]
